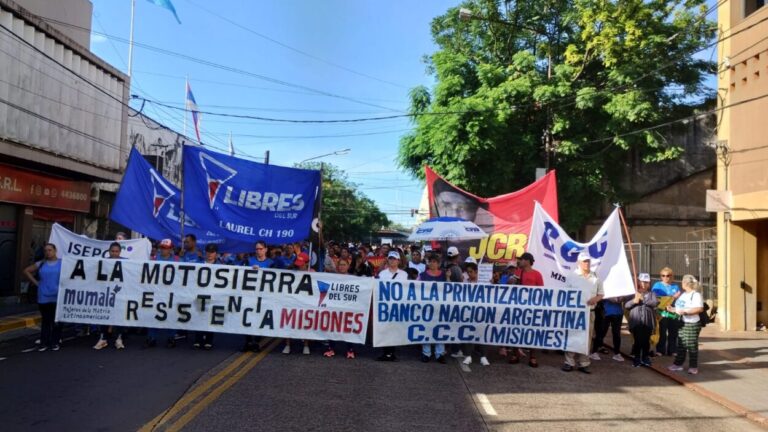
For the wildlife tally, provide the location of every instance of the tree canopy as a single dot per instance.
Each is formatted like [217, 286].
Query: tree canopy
[578, 75]
[347, 214]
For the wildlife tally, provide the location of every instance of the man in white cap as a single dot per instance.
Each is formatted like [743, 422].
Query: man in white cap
[391, 272]
[452, 265]
[585, 278]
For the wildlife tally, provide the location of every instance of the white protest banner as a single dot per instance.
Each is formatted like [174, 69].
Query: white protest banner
[216, 298]
[416, 312]
[556, 254]
[484, 273]
[69, 243]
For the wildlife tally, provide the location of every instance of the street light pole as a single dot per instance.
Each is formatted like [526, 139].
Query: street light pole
[336, 153]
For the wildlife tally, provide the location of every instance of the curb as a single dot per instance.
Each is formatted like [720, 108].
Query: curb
[15, 322]
[718, 399]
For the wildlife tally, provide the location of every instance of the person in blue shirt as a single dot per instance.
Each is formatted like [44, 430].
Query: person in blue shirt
[191, 253]
[259, 261]
[669, 322]
[45, 276]
[285, 261]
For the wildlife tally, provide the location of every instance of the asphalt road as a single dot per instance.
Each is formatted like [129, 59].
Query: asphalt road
[79, 389]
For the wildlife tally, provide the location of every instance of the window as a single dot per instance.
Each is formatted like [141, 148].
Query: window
[751, 6]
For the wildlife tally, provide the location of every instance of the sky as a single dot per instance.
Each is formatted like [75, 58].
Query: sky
[286, 59]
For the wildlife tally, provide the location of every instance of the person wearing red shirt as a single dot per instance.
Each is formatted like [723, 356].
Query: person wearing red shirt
[525, 275]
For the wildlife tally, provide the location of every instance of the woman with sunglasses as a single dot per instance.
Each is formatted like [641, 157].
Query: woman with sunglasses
[669, 323]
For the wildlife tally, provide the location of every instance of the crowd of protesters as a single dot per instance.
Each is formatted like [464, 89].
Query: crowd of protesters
[664, 311]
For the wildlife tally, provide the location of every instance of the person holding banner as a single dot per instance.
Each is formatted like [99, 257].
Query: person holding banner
[669, 322]
[688, 306]
[525, 275]
[114, 253]
[434, 274]
[203, 338]
[164, 253]
[301, 263]
[391, 272]
[191, 253]
[342, 267]
[642, 319]
[587, 279]
[45, 276]
[471, 277]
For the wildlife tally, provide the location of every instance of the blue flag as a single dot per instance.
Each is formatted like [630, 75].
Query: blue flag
[168, 5]
[149, 204]
[248, 200]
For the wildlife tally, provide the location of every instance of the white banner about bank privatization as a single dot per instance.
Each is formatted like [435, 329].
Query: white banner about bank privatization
[69, 243]
[416, 312]
[556, 254]
[216, 298]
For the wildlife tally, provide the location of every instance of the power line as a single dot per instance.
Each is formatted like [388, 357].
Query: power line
[296, 50]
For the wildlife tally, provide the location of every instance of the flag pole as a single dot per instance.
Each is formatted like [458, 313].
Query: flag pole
[629, 241]
[186, 104]
[130, 40]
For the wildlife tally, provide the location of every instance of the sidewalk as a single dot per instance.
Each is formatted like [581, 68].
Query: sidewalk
[733, 370]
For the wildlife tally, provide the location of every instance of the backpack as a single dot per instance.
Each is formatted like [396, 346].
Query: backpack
[704, 316]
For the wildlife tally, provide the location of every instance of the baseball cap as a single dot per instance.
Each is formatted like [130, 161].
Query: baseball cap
[394, 255]
[470, 260]
[166, 243]
[452, 251]
[644, 277]
[512, 263]
[527, 256]
[584, 256]
[210, 247]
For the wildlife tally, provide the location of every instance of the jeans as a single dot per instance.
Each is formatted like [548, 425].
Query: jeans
[50, 330]
[439, 349]
[614, 322]
[668, 329]
[642, 345]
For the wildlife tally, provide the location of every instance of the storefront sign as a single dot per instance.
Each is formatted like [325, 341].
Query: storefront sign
[26, 187]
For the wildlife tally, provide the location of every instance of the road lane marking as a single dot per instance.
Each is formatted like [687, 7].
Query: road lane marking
[218, 391]
[486, 404]
[188, 398]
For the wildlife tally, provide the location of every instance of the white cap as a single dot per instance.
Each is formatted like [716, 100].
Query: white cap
[394, 255]
[453, 251]
[470, 260]
[584, 256]
[644, 277]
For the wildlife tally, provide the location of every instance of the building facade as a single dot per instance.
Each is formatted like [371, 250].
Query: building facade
[742, 148]
[63, 128]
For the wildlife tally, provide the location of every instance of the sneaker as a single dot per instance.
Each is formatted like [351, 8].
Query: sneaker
[119, 344]
[424, 358]
[56, 348]
[646, 362]
[675, 368]
[329, 353]
[566, 368]
[102, 343]
[42, 349]
[484, 361]
[594, 356]
[388, 358]
[305, 351]
[351, 354]
[636, 362]
[207, 347]
[468, 360]
[441, 359]
[603, 351]
[196, 345]
[287, 349]
[457, 354]
[693, 371]
[585, 370]
[618, 358]
[37, 341]
[657, 354]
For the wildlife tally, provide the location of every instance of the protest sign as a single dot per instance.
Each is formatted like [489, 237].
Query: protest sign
[484, 272]
[416, 312]
[246, 200]
[505, 218]
[556, 254]
[68, 243]
[216, 298]
[149, 204]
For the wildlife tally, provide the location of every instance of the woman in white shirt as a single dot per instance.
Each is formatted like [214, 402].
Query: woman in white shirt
[688, 305]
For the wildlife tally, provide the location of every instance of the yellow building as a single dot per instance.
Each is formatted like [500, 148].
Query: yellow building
[743, 164]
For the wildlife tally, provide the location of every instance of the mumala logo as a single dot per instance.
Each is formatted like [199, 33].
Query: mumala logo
[106, 297]
[161, 192]
[216, 175]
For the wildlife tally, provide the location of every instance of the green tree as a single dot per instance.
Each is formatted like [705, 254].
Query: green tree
[563, 72]
[347, 214]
